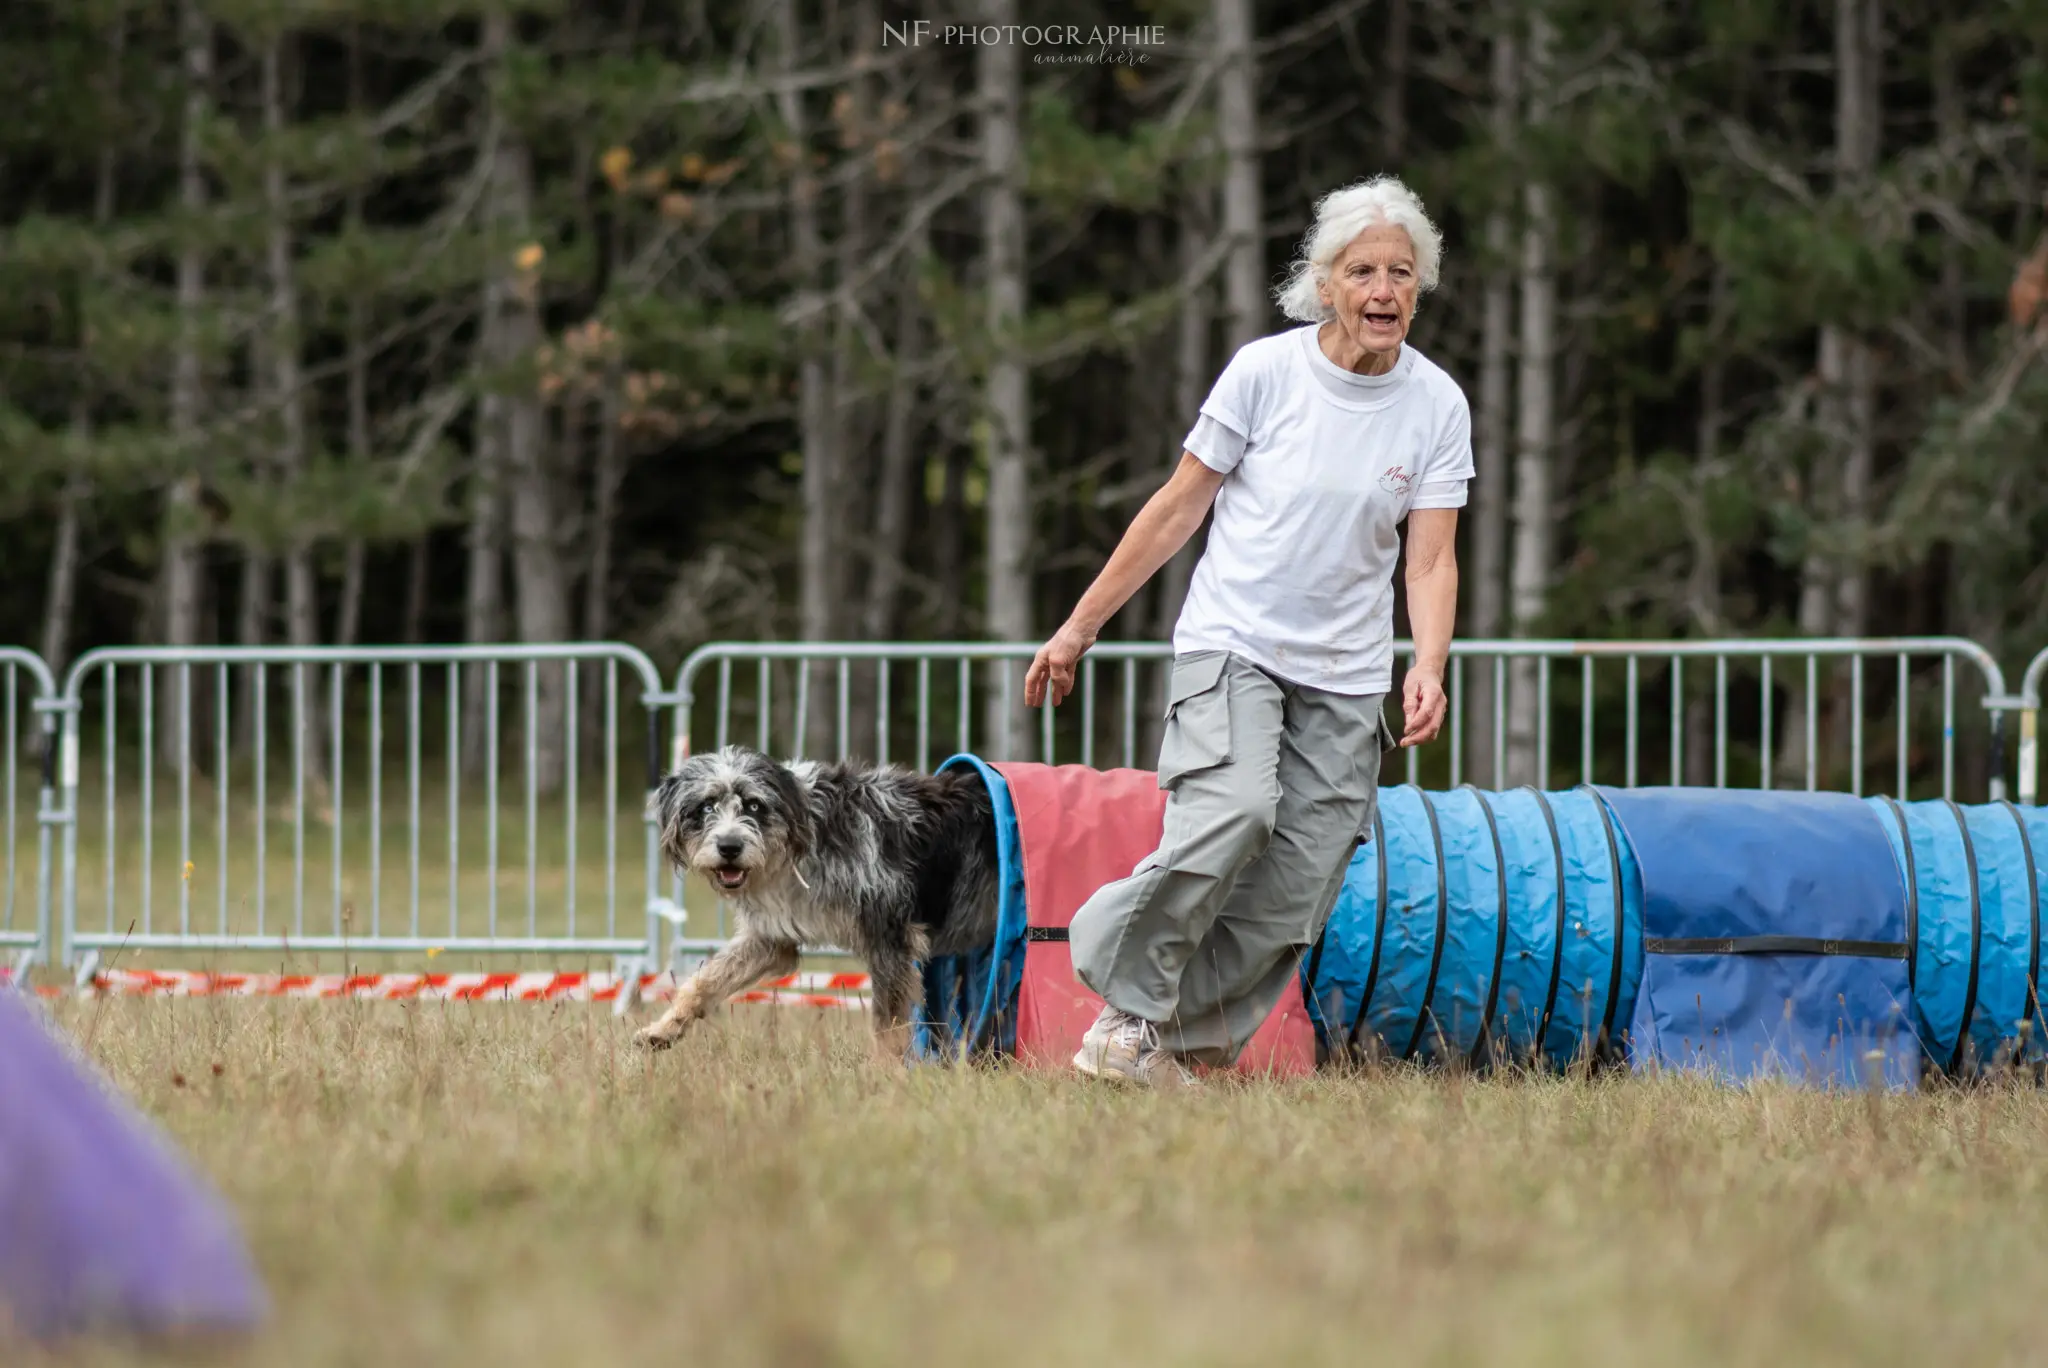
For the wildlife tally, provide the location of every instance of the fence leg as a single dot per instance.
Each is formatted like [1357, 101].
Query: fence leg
[1997, 766]
[2029, 720]
[627, 970]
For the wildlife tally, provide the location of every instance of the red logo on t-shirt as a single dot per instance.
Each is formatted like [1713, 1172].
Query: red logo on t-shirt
[1396, 480]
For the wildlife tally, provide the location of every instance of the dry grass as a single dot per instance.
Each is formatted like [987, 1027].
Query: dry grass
[511, 1184]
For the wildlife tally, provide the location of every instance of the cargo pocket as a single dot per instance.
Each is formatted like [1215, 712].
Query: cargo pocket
[1197, 717]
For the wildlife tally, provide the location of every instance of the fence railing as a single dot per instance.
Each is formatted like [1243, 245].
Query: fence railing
[28, 698]
[468, 799]
[2030, 715]
[321, 751]
[1883, 713]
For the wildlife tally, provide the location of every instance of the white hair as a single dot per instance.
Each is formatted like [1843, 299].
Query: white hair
[1342, 215]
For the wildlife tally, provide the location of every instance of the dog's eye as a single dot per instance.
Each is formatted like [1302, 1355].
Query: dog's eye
[753, 807]
[709, 807]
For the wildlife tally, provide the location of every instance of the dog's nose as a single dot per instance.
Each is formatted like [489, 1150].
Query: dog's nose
[730, 849]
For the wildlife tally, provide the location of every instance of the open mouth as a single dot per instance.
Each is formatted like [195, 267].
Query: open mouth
[728, 879]
[1383, 320]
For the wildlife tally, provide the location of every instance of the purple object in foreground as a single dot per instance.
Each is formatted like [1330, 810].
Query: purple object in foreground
[102, 1225]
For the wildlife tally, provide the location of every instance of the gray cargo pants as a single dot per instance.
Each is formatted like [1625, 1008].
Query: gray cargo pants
[1268, 786]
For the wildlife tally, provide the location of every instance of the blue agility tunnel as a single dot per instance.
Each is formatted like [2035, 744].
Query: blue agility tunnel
[1481, 927]
[1821, 937]
[1972, 902]
[1775, 937]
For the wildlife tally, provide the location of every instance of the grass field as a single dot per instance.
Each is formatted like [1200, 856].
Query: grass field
[511, 1184]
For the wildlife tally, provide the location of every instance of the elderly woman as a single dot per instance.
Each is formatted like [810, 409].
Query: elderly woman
[1313, 446]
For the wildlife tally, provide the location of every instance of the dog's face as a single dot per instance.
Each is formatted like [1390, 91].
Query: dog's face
[734, 816]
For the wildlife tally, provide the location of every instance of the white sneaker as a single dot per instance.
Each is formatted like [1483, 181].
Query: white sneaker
[1125, 1049]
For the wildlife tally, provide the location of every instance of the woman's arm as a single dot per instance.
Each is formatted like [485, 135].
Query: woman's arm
[1161, 528]
[1432, 614]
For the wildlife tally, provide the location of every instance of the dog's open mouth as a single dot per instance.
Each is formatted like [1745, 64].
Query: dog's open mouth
[729, 880]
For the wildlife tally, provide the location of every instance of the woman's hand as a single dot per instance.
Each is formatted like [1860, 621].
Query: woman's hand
[1423, 706]
[1054, 665]
[1162, 526]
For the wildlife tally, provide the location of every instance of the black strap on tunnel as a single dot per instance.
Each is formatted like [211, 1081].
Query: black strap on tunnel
[1620, 906]
[1557, 947]
[1775, 945]
[1912, 890]
[1379, 929]
[1976, 938]
[1424, 1012]
[2033, 917]
[1500, 939]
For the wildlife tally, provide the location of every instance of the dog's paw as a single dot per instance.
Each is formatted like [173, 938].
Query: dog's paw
[659, 1036]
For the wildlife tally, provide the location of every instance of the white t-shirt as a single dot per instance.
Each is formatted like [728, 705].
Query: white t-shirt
[1322, 465]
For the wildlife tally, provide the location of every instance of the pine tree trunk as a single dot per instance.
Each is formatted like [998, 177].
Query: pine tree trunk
[1008, 402]
[252, 628]
[856, 469]
[1535, 431]
[302, 620]
[483, 607]
[1833, 589]
[1703, 577]
[881, 613]
[949, 551]
[1949, 131]
[821, 564]
[181, 585]
[1393, 92]
[1237, 88]
[1491, 490]
[348, 619]
[1194, 371]
[484, 604]
[348, 624]
[415, 627]
[61, 599]
[1193, 374]
[59, 602]
[597, 586]
[540, 575]
[1859, 122]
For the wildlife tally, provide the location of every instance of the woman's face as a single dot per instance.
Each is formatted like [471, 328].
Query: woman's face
[1372, 288]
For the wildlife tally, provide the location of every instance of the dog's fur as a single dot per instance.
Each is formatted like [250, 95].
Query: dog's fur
[892, 865]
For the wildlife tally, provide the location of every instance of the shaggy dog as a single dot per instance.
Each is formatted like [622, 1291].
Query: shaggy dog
[892, 865]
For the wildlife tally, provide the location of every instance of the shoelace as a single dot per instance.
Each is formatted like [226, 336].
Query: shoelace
[1136, 1032]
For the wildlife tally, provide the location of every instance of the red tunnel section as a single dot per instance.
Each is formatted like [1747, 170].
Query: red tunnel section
[1080, 828]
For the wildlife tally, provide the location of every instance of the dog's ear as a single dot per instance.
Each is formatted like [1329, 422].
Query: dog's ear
[665, 808]
[795, 804]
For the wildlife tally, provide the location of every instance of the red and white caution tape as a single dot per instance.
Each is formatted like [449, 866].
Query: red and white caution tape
[794, 990]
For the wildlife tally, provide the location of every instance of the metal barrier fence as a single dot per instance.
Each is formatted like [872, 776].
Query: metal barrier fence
[361, 799]
[25, 894]
[1737, 704]
[209, 718]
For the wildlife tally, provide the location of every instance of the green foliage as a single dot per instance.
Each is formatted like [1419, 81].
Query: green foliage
[1071, 167]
